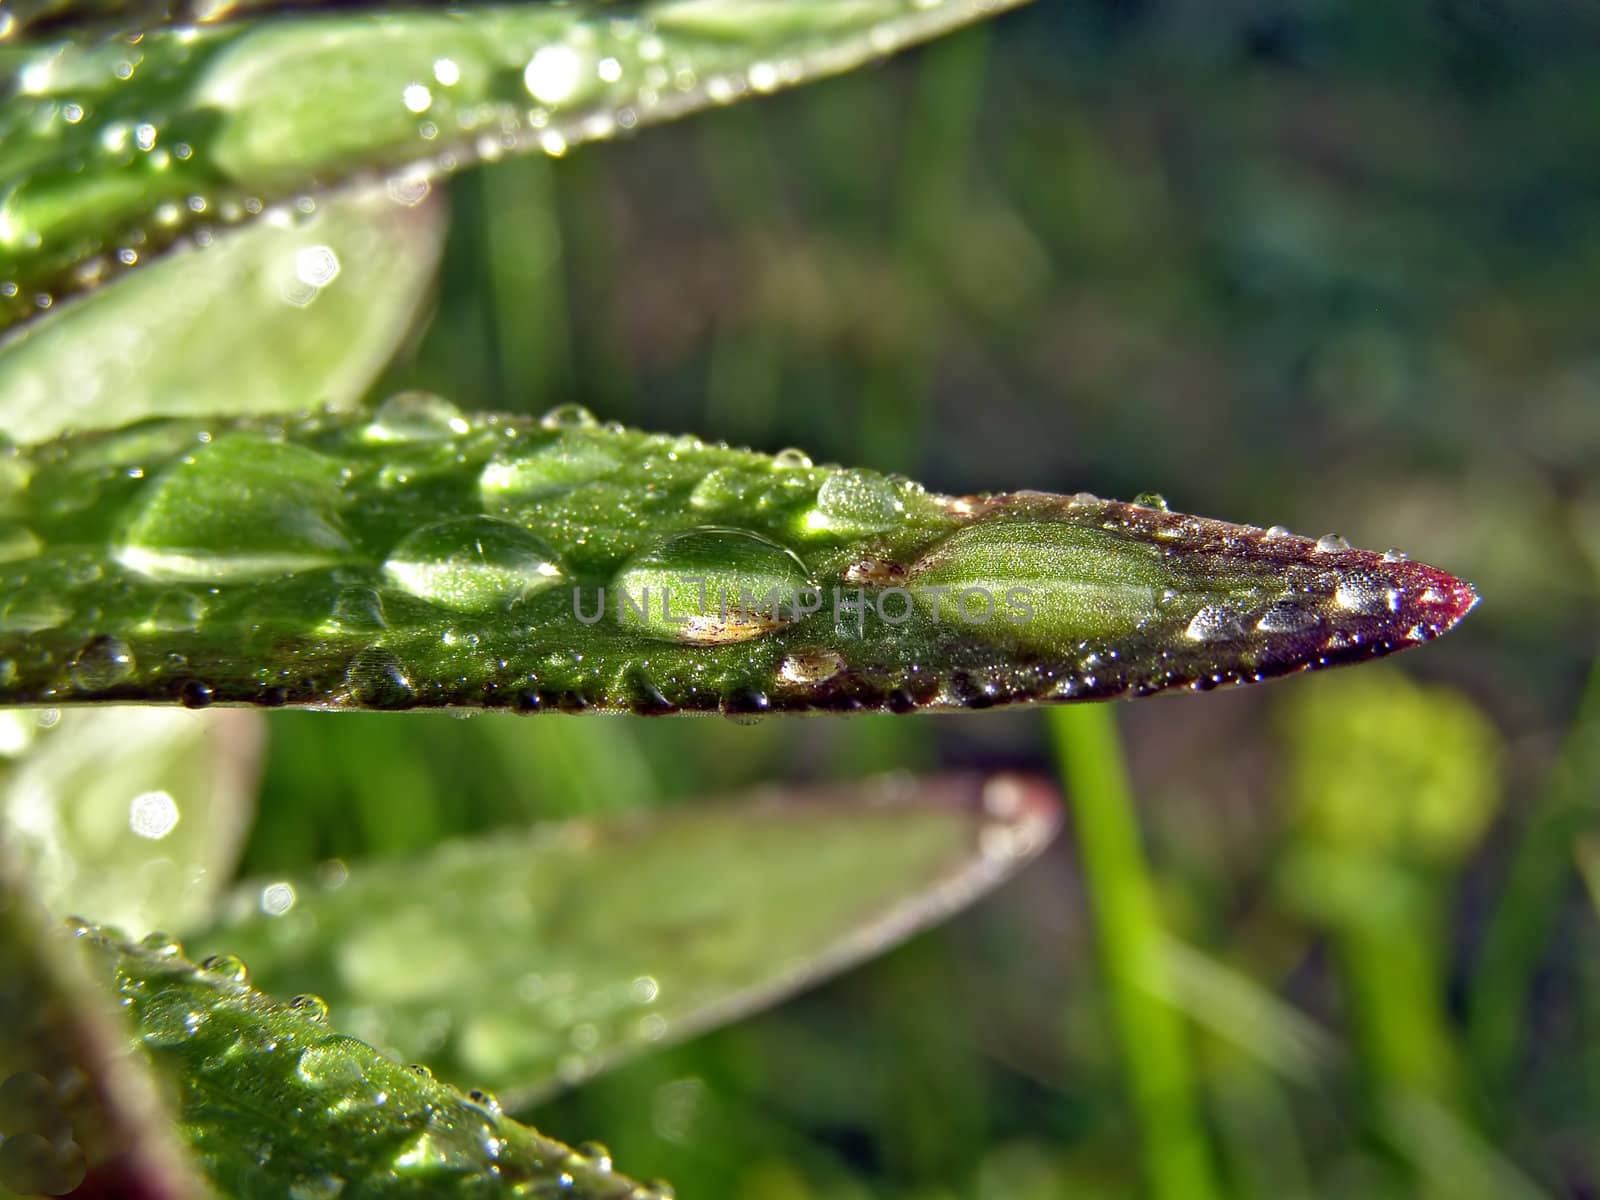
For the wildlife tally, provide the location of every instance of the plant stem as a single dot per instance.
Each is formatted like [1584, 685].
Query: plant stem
[1177, 1158]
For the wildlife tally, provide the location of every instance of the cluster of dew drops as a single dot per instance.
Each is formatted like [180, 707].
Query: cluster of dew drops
[326, 1065]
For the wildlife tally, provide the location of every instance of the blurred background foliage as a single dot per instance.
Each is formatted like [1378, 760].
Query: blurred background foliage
[1296, 261]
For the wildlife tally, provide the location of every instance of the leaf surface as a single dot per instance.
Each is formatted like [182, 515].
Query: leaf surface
[416, 557]
[113, 148]
[525, 960]
[273, 1103]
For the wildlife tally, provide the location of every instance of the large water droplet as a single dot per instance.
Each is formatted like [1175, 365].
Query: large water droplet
[854, 502]
[791, 459]
[228, 968]
[473, 564]
[1331, 543]
[1215, 623]
[569, 416]
[1286, 616]
[32, 610]
[332, 1064]
[1367, 593]
[415, 416]
[103, 662]
[713, 586]
[725, 487]
[241, 507]
[557, 467]
[377, 679]
[175, 611]
[310, 1006]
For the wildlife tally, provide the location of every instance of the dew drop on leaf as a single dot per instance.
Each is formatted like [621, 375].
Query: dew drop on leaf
[854, 502]
[473, 564]
[310, 1006]
[415, 416]
[378, 679]
[229, 968]
[713, 586]
[569, 416]
[102, 663]
[1331, 543]
[1286, 616]
[791, 459]
[549, 470]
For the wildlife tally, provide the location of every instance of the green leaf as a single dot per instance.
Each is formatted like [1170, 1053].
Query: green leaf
[415, 557]
[114, 148]
[273, 1103]
[293, 314]
[75, 1109]
[521, 961]
[133, 814]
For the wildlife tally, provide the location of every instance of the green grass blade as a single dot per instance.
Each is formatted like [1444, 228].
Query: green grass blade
[289, 313]
[520, 962]
[113, 148]
[1134, 952]
[273, 1103]
[415, 557]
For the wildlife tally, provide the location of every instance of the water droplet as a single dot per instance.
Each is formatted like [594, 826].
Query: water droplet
[1153, 500]
[32, 611]
[1367, 593]
[790, 459]
[1392, 555]
[358, 609]
[485, 1100]
[810, 666]
[726, 487]
[551, 469]
[162, 945]
[713, 586]
[569, 416]
[1331, 543]
[473, 564]
[175, 611]
[1275, 532]
[332, 1064]
[310, 1006]
[377, 679]
[598, 1155]
[415, 416]
[1215, 623]
[169, 1020]
[1285, 616]
[103, 663]
[228, 968]
[854, 502]
[280, 500]
[17, 542]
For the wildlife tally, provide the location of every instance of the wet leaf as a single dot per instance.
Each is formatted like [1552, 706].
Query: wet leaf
[273, 1103]
[418, 557]
[75, 1109]
[526, 960]
[290, 313]
[113, 148]
[133, 815]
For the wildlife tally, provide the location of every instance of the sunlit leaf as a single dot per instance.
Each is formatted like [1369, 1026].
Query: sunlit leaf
[113, 148]
[273, 1103]
[522, 960]
[75, 1109]
[292, 313]
[416, 557]
[133, 815]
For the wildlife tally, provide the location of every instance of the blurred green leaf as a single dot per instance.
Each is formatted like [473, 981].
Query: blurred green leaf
[132, 816]
[274, 1104]
[75, 1108]
[119, 146]
[417, 557]
[524, 961]
[294, 314]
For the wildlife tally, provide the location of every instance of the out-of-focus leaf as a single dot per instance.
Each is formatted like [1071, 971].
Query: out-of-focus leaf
[273, 1103]
[133, 816]
[524, 960]
[75, 1108]
[292, 313]
[415, 557]
[118, 146]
